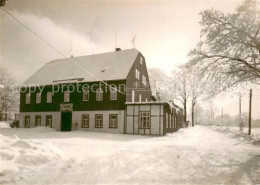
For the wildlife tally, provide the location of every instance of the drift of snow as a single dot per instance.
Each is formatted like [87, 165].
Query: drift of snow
[198, 155]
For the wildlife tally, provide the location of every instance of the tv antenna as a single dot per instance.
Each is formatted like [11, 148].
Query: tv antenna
[133, 41]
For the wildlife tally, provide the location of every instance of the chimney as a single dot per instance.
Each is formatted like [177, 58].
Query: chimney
[118, 49]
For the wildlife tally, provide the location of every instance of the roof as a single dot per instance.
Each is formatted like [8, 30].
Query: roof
[171, 105]
[99, 67]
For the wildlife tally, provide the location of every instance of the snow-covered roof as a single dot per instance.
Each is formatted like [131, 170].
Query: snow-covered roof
[99, 67]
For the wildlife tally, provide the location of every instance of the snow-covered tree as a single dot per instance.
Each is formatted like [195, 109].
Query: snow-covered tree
[9, 97]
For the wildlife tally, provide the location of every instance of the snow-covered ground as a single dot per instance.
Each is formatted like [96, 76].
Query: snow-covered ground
[199, 155]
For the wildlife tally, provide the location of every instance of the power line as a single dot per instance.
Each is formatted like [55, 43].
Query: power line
[55, 49]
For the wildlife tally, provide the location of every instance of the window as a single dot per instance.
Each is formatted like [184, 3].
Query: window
[98, 120]
[66, 96]
[49, 121]
[38, 97]
[113, 121]
[85, 121]
[170, 120]
[49, 97]
[37, 120]
[141, 60]
[99, 94]
[27, 120]
[144, 80]
[144, 119]
[133, 96]
[113, 93]
[85, 94]
[175, 121]
[137, 74]
[28, 98]
[167, 121]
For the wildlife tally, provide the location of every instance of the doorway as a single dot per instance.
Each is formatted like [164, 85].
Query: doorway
[66, 119]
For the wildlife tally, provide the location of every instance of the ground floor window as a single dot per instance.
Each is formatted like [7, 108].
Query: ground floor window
[98, 120]
[85, 121]
[175, 121]
[144, 120]
[113, 121]
[27, 120]
[37, 120]
[49, 121]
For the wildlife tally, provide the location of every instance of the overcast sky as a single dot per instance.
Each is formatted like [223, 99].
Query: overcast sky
[165, 32]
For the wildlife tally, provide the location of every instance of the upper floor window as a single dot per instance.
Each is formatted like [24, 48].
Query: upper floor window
[143, 79]
[85, 94]
[113, 93]
[141, 60]
[66, 96]
[28, 98]
[144, 119]
[98, 120]
[38, 97]
[99, 94]
[49, 120]
[85, 121]
[112, 120]
[137, 74]
[49, 97]
[27, 120]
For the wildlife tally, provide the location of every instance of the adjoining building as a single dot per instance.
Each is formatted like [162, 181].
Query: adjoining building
[106, 92]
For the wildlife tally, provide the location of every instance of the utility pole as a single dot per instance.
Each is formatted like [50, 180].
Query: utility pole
[240, 120]
[250, 111]
[222, 116]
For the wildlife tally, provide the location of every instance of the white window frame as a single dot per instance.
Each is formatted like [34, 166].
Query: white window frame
[113, 120]
[145, 119]
[85, 94]
[98, 120]
[38, 97]
[49, 97]
[99, 94]
[66, 96]
[37, 118]
[49, 121]
[133, 96]
[113, 93]
[85, 121]
[144, 80]
[137, 74]
[27, 121]
[28, 98]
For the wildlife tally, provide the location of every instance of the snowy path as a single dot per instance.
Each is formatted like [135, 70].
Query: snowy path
[197, 155]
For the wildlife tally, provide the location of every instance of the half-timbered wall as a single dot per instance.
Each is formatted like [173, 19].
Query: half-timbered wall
[133, 119]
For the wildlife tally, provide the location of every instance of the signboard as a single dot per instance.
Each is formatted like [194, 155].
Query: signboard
[66, 107]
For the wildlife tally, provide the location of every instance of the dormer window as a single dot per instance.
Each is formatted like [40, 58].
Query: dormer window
[38, 97]
[28, 98]
[66, 96]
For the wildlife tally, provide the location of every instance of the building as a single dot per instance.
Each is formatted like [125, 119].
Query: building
[96, 93]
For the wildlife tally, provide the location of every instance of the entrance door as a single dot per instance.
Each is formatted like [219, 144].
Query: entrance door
[66, 118]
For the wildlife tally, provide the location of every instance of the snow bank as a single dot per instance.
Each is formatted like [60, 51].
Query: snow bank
[243, 136]
[197, 155]
[4, 125]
